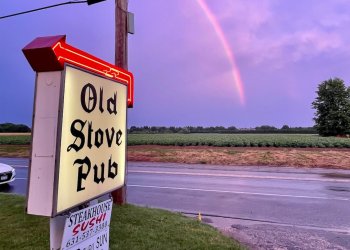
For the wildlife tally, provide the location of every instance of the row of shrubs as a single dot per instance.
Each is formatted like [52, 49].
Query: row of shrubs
[13, 128]
[219, 140]
[15, 140]
[247, 144]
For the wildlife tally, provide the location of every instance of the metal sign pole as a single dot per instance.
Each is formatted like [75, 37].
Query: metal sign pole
[56, 231]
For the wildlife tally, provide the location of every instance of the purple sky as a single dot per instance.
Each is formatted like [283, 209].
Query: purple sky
[282, 49]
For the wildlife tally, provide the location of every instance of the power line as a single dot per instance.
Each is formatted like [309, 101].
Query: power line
[43, 8]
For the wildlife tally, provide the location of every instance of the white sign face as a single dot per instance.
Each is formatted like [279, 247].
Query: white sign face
[88, 228]
[98, 242]
[93, 138]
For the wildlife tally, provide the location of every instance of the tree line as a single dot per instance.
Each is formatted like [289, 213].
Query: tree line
[14, 128]
[265, 129]
[332, 117]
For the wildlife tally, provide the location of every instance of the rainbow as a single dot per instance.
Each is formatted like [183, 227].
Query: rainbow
[229, 53]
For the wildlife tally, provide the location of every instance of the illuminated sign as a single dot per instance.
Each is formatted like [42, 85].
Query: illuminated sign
[79, 128]
[93, 138]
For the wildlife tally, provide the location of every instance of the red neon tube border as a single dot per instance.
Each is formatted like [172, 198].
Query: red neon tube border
[52, 52]
[69, 54]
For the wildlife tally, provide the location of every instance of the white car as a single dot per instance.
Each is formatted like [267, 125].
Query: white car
[7, 173]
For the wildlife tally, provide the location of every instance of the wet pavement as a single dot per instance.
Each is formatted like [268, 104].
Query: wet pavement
[264, 207]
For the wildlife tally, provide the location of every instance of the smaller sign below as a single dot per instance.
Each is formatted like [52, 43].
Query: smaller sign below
[99, 241]
[88, 228]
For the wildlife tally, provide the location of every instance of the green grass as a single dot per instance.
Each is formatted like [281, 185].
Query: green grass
[131, 228]
[15, 139]
[239, 140]
[219, 140]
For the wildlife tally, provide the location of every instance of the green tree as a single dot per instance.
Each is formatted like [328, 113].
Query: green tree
[14, 128]
[266, 128]
[332, 105]
[285, 127]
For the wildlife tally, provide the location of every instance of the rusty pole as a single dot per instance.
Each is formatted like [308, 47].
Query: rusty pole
[121, 60]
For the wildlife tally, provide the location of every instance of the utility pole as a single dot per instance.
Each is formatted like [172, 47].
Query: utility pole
[121, 34]
[121, 60]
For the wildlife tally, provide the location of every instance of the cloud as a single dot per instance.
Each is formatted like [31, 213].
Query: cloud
[278, 33]
[293, 47]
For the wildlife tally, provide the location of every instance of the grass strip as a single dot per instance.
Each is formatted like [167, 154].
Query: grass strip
[240, 140]
[217, 140]
[132, 227]
[8, 139]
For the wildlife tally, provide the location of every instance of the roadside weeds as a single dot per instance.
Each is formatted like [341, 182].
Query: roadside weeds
[284, 157]
[234, 156]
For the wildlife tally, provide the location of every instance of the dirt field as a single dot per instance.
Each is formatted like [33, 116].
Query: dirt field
[292, 157]
[14, 151]
[287, 157]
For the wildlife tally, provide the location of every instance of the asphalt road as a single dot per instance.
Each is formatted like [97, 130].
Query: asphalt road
[266, 208]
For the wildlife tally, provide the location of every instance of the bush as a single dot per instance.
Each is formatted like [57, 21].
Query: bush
[14, 128]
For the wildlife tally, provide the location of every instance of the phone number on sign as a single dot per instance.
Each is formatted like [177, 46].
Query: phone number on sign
[99, 241]
[87, 234]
